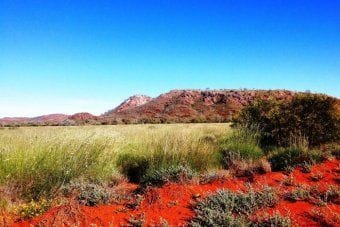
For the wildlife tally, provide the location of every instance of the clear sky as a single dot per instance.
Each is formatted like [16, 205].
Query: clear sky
[70, 56]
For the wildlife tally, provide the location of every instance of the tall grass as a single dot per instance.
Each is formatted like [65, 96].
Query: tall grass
[36, 161]
[37, 166]
[241, 144]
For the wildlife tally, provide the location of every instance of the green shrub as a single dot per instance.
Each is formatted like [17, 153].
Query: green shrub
[159, 177]
[92, 194]
[212, 175]
[32, 209]
[312, 116]
[299, 194]
[287, 158]
[276, 220]
[226, 208]
[332, 194]
[213, 218]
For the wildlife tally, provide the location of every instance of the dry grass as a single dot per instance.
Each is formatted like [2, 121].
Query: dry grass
[37, 161]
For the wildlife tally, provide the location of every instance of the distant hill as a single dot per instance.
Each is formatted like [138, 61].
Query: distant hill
[174, 106]
[192, 106]
[50, 119]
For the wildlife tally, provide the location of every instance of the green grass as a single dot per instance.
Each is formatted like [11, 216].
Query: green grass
[241, 144]
[37, 161]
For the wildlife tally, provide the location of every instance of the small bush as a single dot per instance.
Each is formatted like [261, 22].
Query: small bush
[299, 194]
[306, 167]
[332, 194]
[92, 194]
[226, 208]
[136, 221]
[32, 209]
[289, 181]
[89, 194]
[211, 176]
[284, 158]
[159, 177]
[213, 218]
[276, 220]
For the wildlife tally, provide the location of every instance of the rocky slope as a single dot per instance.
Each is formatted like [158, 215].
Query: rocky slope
[130, 103]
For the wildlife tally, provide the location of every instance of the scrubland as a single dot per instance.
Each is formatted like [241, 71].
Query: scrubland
[277, 164]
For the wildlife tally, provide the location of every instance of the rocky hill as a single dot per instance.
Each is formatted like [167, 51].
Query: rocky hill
[50, 119]
[192, 106]
[129, 103]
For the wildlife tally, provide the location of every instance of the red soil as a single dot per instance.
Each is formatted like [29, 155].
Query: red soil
[173, 202]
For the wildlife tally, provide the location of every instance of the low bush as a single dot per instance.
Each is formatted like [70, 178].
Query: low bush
[276, 220]
[287, 158]
[32, 209]
[213, 175]
[159, 177]
[332, 194]
[93, 194]
[299, 194]
[226, 208]
[87, 193]
[213, 218]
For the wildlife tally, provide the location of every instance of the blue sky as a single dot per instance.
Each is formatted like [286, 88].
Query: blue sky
[71, 56]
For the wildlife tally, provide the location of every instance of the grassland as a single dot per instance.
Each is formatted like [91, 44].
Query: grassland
[180, 174]
[37, 161]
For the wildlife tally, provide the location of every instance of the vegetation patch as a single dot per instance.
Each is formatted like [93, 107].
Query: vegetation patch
[287, 158]
[89, 194]
[226, 208]
[32, 209]
[159, 177]
[276, 220]
[309, 116]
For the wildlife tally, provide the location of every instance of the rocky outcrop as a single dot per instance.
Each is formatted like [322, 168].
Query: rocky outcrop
[131, 102]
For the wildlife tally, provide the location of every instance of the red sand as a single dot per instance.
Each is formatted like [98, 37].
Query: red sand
[172, 202]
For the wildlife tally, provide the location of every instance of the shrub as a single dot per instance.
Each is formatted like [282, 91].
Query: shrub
[92, 194]
[311, 116]
[136, 221]
[32, 209]
[213, 175]
[287, 158]
[276, 220]
[299, 194]
[159, 177]
[226, 208]
[332, 194]
[214, 218]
